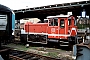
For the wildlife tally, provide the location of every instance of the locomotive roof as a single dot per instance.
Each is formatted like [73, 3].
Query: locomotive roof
[58, 16]
[4, 9]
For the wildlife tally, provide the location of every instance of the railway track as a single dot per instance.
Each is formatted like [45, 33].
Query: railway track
[21, 55]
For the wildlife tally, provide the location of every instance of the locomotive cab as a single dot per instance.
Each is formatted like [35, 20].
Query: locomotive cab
[62, 28]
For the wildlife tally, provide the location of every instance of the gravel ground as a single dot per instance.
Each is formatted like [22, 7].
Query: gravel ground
[52, 52]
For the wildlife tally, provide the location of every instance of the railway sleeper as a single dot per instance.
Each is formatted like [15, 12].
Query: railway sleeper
[21, 55]
[35, 58]
[27, 57]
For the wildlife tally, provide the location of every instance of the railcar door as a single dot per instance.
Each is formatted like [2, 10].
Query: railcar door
[53, 28]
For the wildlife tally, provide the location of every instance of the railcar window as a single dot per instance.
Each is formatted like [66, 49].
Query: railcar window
[53, 22]
[62, 23]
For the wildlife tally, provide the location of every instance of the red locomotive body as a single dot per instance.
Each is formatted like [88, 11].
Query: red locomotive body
[61, 29]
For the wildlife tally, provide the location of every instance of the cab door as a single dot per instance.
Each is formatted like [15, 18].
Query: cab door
[63, 28]
[53, 28]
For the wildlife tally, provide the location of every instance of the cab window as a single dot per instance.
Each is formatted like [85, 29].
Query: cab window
[53, 22]
[69, 21]
[75, 22]
[62, 23]
[50, 22]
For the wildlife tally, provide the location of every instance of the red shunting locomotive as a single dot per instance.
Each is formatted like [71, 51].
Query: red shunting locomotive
[61, 29]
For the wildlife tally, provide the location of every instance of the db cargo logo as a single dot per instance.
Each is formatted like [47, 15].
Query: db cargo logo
[52, 30]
